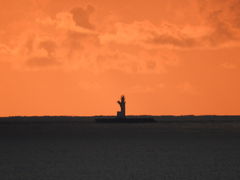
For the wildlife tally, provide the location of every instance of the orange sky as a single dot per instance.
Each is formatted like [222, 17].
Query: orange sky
[76, 57]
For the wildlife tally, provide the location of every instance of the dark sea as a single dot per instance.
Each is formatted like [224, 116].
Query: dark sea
[79, 151]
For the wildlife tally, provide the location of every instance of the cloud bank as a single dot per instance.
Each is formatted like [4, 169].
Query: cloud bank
[70, 40]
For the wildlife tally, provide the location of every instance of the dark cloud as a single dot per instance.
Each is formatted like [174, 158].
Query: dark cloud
[47, 60]
[221, 17]
[235, 9]
[41, 62]
[81, 16]
[183, 42]
[224, 18]
[49, 46]
[223, 31]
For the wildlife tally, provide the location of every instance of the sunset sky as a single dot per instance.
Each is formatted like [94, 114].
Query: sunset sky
[77, 57]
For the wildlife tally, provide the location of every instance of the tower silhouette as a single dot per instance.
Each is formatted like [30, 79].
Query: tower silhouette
[122, 102]
[122, 118]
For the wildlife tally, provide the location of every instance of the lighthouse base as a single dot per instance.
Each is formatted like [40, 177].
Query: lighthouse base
[125, 120]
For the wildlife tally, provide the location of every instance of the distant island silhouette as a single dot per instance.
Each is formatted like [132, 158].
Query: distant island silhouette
[121, 116]
[210, 120]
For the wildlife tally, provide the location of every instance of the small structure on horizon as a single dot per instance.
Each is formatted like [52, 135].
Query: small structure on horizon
[122, 118]
[122, 103]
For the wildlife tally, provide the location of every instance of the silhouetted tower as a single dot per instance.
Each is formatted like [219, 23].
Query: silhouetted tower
[121, 114]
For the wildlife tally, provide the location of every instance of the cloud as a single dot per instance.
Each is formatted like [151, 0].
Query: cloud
[49, 46]
[148, 35]
[69, 40]
[215, 34]
[81, 16]
[67, 21]
[219, 26]
[41, 53]
[41, 62]
[224, 18]
[58, 42]
[136, 62]
[63, 43]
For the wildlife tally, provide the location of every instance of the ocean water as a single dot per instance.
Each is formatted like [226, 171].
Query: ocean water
[117, 151]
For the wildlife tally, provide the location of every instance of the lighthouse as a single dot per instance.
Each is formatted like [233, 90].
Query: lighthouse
[122, 103]
[122, 118]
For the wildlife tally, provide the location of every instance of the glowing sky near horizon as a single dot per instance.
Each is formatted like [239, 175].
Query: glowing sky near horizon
[77, 57]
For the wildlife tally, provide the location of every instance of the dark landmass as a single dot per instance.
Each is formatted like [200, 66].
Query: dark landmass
[176, 147]
[63, 125]
[45, 119]
[125, 120]
[87, 119]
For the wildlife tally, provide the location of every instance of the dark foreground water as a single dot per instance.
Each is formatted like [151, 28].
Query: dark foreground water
[126, 151]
